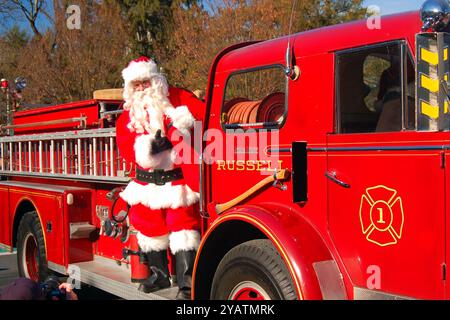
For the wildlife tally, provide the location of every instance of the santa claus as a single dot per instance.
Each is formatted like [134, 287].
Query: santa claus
[163, 205]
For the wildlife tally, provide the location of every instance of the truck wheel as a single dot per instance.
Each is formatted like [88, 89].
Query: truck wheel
[31, 255]
[253, 270]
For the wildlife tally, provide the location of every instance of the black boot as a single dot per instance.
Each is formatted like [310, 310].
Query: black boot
[158, 272]
[185, 265]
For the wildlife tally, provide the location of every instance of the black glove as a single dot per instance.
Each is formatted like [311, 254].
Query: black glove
[160, 144]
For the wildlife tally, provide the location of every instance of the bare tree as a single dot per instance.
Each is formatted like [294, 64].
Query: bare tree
[27, 9]
[200, 32]
[68, 65]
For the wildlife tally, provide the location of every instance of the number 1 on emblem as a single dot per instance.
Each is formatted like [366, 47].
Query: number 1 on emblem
[380, 210]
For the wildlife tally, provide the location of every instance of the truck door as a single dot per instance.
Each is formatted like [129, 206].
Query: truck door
[246, 121]
[385, 179]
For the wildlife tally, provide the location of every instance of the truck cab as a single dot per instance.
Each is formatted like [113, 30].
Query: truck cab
[363, 214]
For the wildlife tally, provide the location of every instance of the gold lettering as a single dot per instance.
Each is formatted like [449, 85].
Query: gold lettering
[250, 165]
[259, 165]
[280, 164]
[220, 165]
[380, 210]
[240, 165]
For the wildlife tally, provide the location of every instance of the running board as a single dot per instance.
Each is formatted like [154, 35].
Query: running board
[109, 276]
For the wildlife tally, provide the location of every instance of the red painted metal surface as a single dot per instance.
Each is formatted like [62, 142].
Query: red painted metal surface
[295, 238]
[393, 214]
[5, 232]
[49, 207]
[55, 216]
[108, 247]
[88, 109]
[335, 213]
[79, 250]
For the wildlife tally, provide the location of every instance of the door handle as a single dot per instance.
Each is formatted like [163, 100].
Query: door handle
[332, 176]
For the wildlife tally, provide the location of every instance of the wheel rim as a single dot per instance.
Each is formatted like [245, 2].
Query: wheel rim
[30, 258]
[248, 290]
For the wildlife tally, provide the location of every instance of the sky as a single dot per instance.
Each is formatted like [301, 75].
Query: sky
[386, 7]
[395, 6]
[42, 22]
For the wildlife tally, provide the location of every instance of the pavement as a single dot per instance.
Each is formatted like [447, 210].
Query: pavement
[8, 268]
[8, 273]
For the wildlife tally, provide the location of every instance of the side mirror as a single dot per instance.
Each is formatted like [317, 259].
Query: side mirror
[291, 71]
[435, 15]
[21, 83]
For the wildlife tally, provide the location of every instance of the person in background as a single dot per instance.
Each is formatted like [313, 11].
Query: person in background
[27, 289]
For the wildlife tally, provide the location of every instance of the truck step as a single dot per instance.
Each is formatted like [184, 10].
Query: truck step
[109, 276]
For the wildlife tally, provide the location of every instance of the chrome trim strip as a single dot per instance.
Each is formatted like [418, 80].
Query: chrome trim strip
[107, 275]
[367, 294]
[330, 280]
[56, 267]
[384, 148]
[370, 148]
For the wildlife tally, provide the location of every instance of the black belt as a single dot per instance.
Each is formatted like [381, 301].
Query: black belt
[159, 176]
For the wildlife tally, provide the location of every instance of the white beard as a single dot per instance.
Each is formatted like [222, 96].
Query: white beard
[147, 109]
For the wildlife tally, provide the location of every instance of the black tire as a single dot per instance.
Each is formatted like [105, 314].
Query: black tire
[256, 269]
[31, 254]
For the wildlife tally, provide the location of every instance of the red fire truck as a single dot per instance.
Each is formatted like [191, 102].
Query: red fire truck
[346, 199]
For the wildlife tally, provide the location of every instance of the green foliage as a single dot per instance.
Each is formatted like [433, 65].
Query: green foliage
[146, 19]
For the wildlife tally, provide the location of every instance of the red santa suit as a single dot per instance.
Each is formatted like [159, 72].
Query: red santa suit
[164, 207]
[157, 211]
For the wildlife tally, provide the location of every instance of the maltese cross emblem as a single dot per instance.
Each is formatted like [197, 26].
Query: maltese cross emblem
[381, 215]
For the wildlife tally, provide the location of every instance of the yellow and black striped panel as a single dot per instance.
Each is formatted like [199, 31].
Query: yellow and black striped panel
[432, 66]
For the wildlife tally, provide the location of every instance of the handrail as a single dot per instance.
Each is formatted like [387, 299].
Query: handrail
[280, 175]
[82, 121]
[91, 133]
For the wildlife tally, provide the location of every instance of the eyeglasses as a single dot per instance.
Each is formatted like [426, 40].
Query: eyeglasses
[141, 84]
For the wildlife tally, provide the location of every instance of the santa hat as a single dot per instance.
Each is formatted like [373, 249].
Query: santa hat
[139, 69]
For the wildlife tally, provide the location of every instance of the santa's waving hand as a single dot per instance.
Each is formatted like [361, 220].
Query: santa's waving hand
[162, 203]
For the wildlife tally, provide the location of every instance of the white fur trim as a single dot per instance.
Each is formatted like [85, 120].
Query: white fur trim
[159, 197]
[139, 71]
[148, 244]
[142, 149]
[184, 240]
[182, 118]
